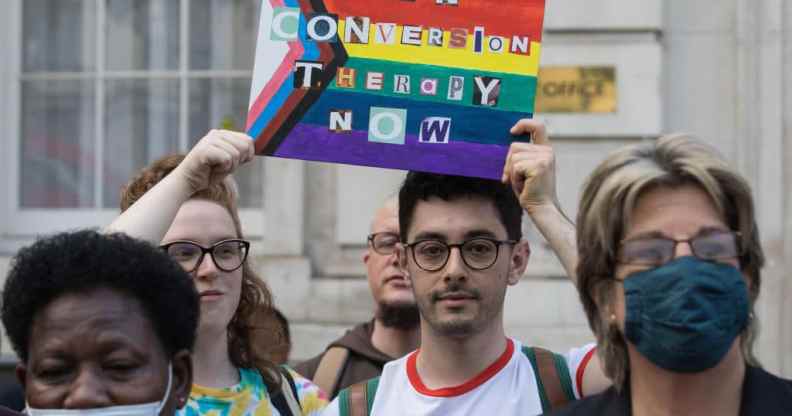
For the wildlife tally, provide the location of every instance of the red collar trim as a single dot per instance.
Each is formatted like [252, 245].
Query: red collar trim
[582, 370]
[481, 378]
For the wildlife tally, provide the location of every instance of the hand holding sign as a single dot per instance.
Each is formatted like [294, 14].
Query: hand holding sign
[530, 167]
[214, 157]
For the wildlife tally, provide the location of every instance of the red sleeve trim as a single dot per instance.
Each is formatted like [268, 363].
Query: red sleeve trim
[481, 378]
[581, 370]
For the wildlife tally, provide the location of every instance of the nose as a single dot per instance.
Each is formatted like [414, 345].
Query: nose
[682, 249]
[393, 258]
[87, 391]
[207, 269]
[455, 266]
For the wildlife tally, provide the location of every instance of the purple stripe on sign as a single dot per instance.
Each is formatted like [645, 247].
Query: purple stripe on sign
[317, 143]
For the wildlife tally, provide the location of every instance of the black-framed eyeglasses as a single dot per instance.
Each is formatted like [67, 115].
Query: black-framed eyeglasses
[715, 245]
[477, 253]
[383, 243]
[227, 255]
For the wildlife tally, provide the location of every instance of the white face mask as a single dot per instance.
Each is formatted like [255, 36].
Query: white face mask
[145, 409]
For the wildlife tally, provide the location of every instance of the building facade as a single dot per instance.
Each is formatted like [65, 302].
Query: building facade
[94, 89]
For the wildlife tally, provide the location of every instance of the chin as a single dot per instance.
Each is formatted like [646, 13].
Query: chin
[398, 295]
[399, 301]
[208, 324]
[454, 327]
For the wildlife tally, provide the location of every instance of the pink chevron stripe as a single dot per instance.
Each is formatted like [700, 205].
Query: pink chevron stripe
[296, 50]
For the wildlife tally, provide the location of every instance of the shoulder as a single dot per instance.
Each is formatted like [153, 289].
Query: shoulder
[351, 397]
[608, 403]
[576, 360]
[765, 392]
[396, 367]
[332, 409]
[4, 411]
[308, 367]
[312, 399]
[762, 376]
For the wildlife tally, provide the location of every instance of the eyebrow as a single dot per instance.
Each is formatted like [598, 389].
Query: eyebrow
[479, 234]
[213, 241]
[106, 344]
[429, 235]
[660, 234]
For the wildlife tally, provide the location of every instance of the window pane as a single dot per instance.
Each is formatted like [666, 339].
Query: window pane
[57, 156]
[142, 34]
[58, 35]
[222, 103]
[223, 34]
[141, 122]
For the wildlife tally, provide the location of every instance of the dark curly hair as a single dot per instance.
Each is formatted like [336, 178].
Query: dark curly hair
[419, 186]
[81, 261]
[251, 334]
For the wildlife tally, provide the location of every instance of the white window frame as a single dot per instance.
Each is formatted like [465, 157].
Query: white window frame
[277, 227]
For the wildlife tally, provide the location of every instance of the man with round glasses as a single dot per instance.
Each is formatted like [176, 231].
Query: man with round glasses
[461, 246]
[361, 353]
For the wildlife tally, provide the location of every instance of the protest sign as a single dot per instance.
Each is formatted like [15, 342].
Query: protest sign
[428, 85]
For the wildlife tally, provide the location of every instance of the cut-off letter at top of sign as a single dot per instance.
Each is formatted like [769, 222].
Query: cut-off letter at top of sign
[430, 85]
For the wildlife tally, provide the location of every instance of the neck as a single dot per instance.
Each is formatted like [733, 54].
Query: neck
[447, 361]
[212, 365]
[394, 342]
[659, 392]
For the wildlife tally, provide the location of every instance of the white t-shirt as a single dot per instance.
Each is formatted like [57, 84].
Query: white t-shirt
[506, 387]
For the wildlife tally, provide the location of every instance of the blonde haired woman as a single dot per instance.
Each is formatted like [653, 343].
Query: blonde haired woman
[668, 272]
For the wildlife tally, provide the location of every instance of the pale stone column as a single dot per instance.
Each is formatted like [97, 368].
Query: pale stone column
[726, 77]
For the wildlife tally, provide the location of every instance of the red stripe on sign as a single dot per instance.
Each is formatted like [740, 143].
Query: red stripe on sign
[502, 18]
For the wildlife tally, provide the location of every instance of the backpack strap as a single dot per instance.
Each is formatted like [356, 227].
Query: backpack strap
[330, 368]
[358, 399]
[552, 378]
[286, 400]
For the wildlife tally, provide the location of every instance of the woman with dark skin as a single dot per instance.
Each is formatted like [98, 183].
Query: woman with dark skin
[102, 324]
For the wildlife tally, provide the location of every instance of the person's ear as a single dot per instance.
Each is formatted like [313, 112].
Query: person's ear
[182, 377]
[366, 256]
[519, 261]
[21, 374]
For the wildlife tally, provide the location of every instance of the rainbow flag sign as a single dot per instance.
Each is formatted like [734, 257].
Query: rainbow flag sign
[428, 85]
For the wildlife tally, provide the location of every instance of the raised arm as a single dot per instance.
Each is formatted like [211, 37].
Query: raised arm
[530, 168]
[211, 160]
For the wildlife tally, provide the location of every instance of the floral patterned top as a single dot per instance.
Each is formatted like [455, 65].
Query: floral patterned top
[250, 398]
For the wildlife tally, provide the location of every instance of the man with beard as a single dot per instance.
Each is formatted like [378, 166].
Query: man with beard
[461, 245]
[393, 332]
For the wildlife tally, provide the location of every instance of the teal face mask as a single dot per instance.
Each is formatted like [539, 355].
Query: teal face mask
[685, 315]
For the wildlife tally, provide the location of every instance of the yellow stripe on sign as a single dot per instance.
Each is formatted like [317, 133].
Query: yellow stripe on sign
[504, 62]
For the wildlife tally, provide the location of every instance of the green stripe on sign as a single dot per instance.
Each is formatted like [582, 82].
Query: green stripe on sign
[516, 92]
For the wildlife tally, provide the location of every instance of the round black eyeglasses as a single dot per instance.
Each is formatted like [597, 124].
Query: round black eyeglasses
[477, 253]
